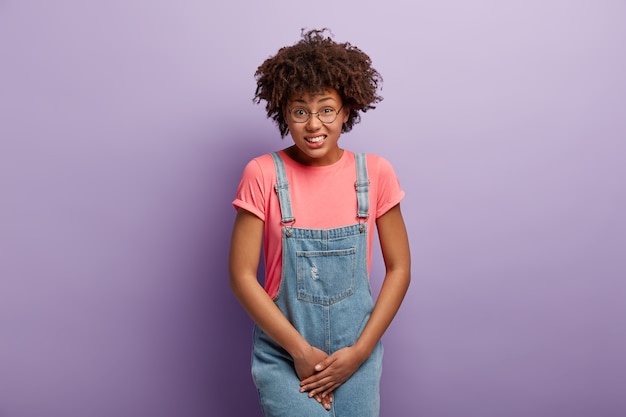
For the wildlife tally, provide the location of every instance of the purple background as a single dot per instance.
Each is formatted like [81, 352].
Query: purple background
[124, 127]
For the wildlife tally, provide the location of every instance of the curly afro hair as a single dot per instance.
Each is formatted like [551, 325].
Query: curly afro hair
[311, 66]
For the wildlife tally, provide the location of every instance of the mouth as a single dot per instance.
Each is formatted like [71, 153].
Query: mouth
[315, 139]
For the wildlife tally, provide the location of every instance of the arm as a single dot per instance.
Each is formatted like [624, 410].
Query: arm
[245, 250]
[338, 367]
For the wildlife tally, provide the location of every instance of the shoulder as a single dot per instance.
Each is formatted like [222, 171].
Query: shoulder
[385, 184]
[378, 165]
[263, 162]
[260, 167]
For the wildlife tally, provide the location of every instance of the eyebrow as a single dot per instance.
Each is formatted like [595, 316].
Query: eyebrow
[299, 100]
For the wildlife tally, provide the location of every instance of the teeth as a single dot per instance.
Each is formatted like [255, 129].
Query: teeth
[315, 139]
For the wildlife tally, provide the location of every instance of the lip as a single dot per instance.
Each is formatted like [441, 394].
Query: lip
[315, 145]
[310, 137]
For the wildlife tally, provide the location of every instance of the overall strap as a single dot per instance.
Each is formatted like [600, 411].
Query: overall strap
[362, 186]
[282, 189]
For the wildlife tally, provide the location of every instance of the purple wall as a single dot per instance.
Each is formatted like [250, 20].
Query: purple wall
[124, 127]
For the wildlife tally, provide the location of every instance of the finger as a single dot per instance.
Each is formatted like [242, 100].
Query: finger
[324, 402]
[326, 388]
[310, 387]
[327, 404]
[315, 377]
[329, 392]
[325, 363]
[313, 381]
[327, 401]
[318, 384]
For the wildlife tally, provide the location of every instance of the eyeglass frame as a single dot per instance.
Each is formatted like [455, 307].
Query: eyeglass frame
[310, 113]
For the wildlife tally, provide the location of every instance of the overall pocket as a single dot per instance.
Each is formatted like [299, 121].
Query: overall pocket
[325, 277]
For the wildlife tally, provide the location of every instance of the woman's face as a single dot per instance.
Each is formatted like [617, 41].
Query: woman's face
[316, 135]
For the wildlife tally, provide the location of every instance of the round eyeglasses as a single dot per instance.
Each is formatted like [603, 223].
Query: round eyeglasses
[326, 115]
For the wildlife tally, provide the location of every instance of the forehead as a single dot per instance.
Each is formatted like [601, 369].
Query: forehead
[329, 95]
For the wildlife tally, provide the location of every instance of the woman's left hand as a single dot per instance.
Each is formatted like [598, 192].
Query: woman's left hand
[332, 372]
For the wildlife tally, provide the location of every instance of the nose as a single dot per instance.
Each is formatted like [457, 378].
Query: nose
[314, 122]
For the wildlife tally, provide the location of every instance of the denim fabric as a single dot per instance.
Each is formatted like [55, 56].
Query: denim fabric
[325, 294]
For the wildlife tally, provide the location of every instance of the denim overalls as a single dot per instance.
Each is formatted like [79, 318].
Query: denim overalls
[325, 294]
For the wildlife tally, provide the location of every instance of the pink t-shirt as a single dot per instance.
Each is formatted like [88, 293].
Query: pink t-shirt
[321, 198]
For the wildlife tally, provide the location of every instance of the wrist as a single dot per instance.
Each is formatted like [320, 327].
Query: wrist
[299, 349]
[362, 350]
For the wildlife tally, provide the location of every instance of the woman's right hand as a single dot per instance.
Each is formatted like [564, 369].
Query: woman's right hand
[243, 263]
[306, 361]
[305, 367]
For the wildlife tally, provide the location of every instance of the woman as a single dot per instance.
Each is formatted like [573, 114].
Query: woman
[313, 207]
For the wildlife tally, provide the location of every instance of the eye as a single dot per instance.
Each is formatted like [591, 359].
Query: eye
[327, 110]
[299, 112]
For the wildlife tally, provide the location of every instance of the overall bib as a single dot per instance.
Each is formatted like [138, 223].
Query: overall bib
[325, 293]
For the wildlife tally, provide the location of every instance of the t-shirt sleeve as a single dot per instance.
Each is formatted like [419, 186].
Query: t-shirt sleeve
[251, 191]
[389, 191]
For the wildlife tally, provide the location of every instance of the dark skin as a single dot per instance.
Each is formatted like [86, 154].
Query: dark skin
[320, 374]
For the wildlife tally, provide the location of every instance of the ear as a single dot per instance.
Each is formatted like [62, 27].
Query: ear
[346, 114]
